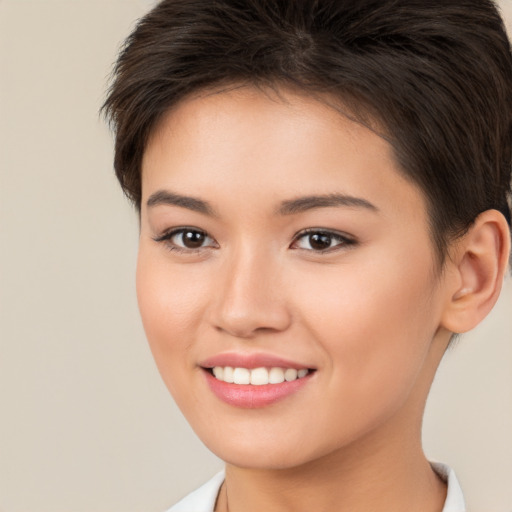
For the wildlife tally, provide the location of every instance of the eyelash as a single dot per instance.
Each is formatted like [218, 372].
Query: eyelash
[167, 237]
[344, 241]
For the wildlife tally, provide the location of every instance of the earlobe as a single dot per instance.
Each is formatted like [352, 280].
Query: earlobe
[479, 263]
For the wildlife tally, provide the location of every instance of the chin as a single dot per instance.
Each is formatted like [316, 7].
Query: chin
[265, 452]
[259, 460]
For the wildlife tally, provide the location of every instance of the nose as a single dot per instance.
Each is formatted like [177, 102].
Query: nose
[250, 299]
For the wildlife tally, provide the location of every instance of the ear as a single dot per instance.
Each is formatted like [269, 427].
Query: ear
[477, 264]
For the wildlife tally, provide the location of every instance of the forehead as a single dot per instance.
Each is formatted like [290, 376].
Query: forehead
[247, 141]
[259, 102]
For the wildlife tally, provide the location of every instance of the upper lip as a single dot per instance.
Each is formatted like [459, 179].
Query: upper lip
[255, 360]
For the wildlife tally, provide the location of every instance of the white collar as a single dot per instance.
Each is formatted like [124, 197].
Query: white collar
[454, 497]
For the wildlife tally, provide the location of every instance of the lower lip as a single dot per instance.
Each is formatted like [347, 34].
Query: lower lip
[248, 396]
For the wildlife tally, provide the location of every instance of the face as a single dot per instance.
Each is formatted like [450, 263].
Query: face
[281, 248]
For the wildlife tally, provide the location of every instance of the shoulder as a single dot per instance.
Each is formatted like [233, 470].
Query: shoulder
[202, 499]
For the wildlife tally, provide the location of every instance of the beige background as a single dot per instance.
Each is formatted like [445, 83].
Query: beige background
[86, 424]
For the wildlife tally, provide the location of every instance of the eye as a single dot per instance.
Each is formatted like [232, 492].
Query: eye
[321, 240]
[186, 239]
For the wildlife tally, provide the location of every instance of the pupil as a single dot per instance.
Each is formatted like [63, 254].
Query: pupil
[320, 241]
[193, 239]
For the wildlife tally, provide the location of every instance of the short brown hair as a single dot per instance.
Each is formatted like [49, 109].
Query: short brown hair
[437, 75]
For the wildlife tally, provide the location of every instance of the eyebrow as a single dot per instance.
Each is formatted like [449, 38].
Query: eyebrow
[289, 207]
[302, 204]
[171, 198]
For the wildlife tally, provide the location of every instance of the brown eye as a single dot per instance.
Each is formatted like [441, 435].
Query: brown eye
[321, 241]
[191, 239]
[186, 239]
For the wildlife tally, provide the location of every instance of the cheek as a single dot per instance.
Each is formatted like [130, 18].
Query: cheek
[171, 303]
[375, 325]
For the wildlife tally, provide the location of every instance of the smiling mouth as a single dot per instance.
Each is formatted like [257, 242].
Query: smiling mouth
[257, 376]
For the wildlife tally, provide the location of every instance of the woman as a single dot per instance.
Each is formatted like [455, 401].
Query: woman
[324, 192]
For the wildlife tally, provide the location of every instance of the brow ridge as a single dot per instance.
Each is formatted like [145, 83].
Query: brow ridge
[174, 199]
[288, 207]
[302, 204]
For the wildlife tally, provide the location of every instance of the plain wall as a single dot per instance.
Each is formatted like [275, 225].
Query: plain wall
[85, 421]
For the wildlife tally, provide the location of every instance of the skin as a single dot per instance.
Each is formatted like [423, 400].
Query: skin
[370, 315]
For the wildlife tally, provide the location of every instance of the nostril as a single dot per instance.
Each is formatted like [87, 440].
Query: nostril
[252, 324]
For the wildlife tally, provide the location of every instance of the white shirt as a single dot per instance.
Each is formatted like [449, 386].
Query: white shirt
[204, 498]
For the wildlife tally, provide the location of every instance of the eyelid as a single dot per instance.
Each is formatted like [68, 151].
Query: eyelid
[168, 234]
[345, 239]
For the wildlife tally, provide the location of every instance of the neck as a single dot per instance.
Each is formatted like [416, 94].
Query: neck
[354, 480]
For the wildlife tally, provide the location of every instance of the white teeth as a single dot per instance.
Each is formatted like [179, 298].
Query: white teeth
[218, 371]
[302, 373]
[241, 376]
[276, 376]
[258, 376]
[290, 374]
[228, 374]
